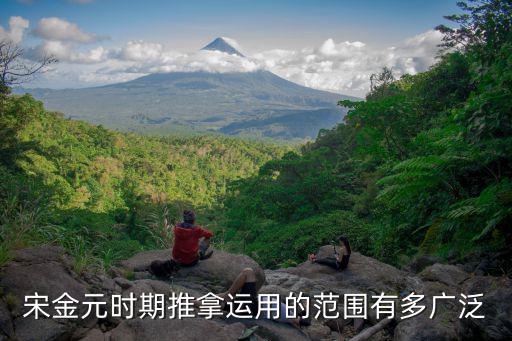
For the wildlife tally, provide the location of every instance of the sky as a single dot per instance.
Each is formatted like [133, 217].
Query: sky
[333, 45]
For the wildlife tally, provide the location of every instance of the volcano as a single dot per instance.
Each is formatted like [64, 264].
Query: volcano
[256, 104]
[221, 44]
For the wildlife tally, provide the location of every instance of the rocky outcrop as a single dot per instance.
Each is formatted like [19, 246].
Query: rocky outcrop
[450, 275]
[420, 262]
[270, 330]
[48, 270]
[423, 329]
[174, 329]
[496, 307]
[364, 273]
[214, 273]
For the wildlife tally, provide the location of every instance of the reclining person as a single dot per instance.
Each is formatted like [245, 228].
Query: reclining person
[245, 284]
[336, 262]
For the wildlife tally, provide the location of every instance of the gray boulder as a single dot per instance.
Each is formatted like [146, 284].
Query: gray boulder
[43, 329]
[496, 307]
[420, 262]
[46, 270]
[450, 275]
[6, 325]
[96, 335]
[364, 273]
[142, 260]
[421, 328]
[217, 272]
[272, 330]
[193, 329]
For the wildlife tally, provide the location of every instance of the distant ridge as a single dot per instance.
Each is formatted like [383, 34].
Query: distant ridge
[220, 44]
[257, 103]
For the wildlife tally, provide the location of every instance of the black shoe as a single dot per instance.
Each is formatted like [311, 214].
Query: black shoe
[172, 267]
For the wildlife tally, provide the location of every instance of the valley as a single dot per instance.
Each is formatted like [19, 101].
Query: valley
[255, 104]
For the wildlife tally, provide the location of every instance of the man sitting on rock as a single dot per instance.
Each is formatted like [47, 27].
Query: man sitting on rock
[191, 242]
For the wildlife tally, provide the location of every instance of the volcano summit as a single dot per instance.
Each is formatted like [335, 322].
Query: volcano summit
[221, 44]
[257, 103]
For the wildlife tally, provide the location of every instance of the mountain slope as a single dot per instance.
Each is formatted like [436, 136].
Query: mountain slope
[220, 44]
[202, 101]
[286, 124]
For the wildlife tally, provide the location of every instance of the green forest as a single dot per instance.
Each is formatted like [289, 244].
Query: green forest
[106, 195]
[421, 166]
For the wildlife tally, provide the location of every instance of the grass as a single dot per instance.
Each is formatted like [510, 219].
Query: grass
[5, 254]
[12, 301]
[128, 274]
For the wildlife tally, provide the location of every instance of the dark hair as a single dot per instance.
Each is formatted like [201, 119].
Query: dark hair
[345, 242]
[189, 216]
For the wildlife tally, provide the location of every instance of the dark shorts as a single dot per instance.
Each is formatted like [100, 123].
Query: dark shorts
[333, 263]
[249, 288]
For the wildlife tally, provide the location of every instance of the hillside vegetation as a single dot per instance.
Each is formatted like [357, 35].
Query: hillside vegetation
[256, 104]
[105, 195]
[422, 166]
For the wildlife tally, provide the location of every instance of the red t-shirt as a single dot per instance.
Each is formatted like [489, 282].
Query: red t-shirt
[186, 243]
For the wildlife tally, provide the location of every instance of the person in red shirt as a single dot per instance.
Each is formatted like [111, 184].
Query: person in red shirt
[190, 241]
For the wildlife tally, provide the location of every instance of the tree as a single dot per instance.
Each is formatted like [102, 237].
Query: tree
[15, 69]
[380, 84]
[484, 27]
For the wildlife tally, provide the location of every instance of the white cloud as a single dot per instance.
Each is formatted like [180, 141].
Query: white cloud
[152, 57]
[62, 39]
[330, 48]
[139, 51]
[345, 67]
[233, 43]
[342, 67]
[65, 52]
[62, 30]
[211, 61]
[17, 27]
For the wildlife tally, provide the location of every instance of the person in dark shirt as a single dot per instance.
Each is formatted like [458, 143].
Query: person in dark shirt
[340, 260]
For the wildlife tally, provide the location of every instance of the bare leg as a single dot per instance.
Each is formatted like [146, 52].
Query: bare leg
[247, 275]
[329, 261]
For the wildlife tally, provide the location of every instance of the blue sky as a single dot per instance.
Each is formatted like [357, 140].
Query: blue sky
[258, 26]
[276, 23]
